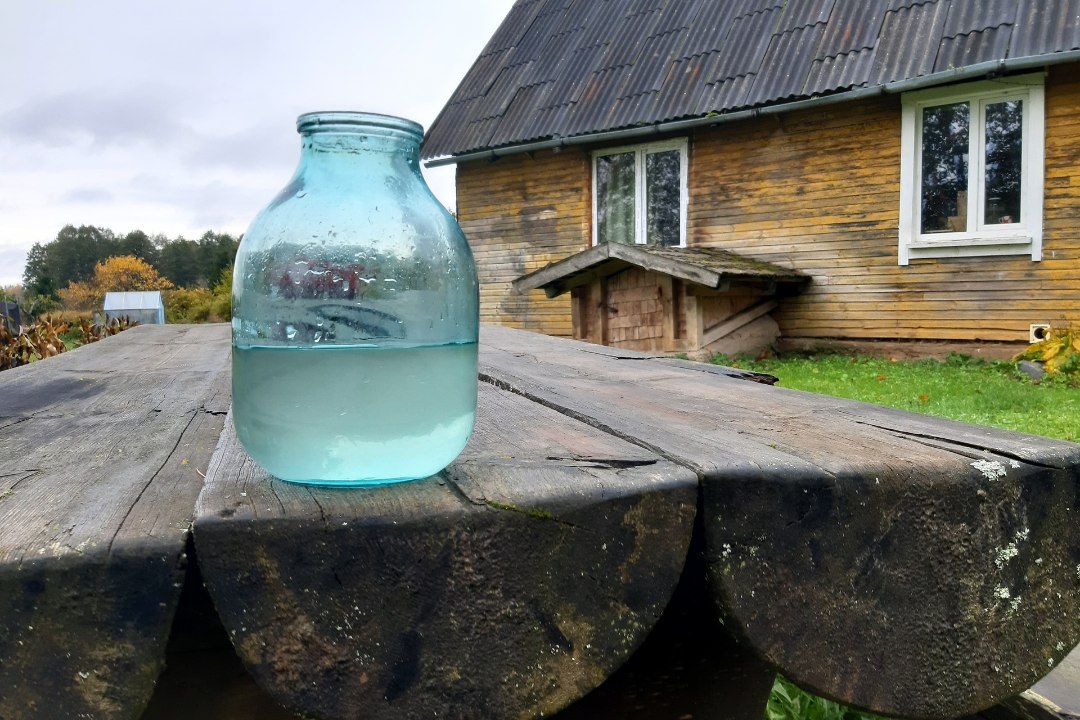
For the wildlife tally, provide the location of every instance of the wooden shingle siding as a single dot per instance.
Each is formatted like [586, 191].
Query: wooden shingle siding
[635, 307]
[519, 214]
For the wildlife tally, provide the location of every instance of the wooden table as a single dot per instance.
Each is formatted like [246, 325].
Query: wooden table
[624, 536]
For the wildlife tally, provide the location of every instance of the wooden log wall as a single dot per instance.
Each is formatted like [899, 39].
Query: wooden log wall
[818, 190]
[519, 214]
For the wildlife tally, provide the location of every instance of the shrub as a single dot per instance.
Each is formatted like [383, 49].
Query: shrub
[39, 340]
[92, 332]
[198, 305]
[222, 303]
[1058, 351]
[188, 305]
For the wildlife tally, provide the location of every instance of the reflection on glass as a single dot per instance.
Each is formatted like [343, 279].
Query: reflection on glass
[662, 190]
[1004, 128]
[945, 168]
[615, 198]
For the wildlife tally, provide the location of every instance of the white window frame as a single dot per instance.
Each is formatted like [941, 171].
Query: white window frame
[1022, 238]
[640, 201]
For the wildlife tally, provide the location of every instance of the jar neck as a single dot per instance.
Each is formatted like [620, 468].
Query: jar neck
[338, 139]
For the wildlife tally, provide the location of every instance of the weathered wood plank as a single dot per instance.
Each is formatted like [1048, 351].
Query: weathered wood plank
[105, 445]
[906, 564]
[688, 667]
[203, 678]
[730, 325]
[508, 586]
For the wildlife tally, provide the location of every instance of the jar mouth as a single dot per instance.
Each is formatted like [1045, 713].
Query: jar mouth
[348, 121]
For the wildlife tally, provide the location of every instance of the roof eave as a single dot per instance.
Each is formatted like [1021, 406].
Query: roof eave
[992, 67]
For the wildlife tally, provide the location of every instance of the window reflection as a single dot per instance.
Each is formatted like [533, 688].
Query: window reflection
[945, 168]
[615, 198]
[1004, 128]
[662, 190]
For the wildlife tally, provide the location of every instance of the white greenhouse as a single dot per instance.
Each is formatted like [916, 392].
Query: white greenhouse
[145, 307]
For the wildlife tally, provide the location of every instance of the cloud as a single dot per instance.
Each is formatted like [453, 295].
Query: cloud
[178, 117]
[120, 118]
[266, 146]
[224, 204]
[12, 261]
[87, 195]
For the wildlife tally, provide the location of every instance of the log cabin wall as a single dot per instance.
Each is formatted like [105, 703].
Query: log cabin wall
[819, 190]
[520, 213]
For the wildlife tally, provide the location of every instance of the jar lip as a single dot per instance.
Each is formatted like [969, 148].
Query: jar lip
[347, 120]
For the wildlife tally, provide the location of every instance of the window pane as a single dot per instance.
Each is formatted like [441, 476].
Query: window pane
[1004, 127]
[615, 198]
[945, 168]
[662, 190]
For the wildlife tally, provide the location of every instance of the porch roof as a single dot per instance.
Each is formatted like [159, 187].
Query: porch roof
[710, 267]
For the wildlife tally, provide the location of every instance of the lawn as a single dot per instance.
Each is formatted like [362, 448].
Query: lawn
[961, 388]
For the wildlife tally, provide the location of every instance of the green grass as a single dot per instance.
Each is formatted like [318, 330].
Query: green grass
[960, 388]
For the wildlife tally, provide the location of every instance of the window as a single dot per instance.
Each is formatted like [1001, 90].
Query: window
[971, 170]
[639, 194]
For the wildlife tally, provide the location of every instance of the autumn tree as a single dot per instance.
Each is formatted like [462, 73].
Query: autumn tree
[117, 274]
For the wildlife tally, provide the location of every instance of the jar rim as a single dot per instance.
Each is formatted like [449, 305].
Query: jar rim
[351, 120]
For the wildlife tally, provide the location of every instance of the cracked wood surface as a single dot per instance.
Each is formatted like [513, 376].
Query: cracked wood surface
[898, 562]
[906, 564]
[508, 586]
[101, 451]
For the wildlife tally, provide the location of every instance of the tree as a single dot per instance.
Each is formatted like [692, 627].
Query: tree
[38, 282]
[76, 250]
[217, 252]
[179, 262]
[73, 255]
[137, 244]
[117, 274]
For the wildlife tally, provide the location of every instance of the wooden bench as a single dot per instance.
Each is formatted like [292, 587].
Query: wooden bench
[625, 536]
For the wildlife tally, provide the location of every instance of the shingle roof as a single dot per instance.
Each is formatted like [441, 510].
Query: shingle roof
[565, 68]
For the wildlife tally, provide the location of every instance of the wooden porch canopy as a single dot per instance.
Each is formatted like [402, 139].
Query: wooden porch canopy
[667, 299]
[710, 267]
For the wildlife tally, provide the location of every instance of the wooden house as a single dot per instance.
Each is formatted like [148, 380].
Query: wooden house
[918, 160]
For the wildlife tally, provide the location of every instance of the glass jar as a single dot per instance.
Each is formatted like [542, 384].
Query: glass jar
[355, 314]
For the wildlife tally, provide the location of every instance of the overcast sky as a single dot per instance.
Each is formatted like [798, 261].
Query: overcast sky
[178, 118]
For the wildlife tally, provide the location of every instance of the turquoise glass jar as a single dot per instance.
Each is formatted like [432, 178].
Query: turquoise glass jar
[355, 314]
